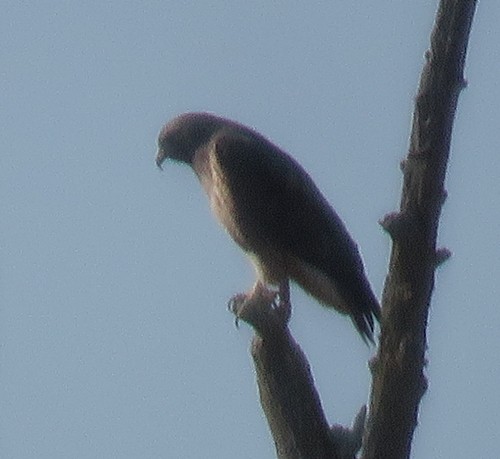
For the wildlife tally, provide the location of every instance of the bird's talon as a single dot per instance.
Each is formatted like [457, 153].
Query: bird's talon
[235, 305]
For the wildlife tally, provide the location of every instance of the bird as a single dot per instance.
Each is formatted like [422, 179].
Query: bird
[274, 211]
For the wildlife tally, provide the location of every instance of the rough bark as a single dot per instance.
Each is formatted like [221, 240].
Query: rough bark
[287, 393]
[289, 399]
[398, 368]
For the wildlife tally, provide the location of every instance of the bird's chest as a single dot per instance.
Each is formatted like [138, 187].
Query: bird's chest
[222, 199]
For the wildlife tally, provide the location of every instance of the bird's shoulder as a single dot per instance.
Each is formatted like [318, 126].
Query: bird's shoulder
[246, 156]
[270, 187]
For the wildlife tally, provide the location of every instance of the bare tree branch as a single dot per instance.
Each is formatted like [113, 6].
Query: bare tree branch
[398, 368]
[286, 387]
[289, 399]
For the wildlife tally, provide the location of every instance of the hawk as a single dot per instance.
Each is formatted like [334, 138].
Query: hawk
[273, 210]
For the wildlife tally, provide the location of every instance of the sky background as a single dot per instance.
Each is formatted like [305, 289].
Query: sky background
[115, 341]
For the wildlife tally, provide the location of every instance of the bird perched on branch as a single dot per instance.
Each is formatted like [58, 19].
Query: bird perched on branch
[274, 211]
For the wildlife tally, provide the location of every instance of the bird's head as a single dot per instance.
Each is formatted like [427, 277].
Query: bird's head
[181, 137]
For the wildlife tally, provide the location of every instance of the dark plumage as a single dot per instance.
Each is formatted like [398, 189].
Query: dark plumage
[274, 211]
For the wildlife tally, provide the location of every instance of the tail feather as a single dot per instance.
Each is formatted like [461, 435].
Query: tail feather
[364, 321]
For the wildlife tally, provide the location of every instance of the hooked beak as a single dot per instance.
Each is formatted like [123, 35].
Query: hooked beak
[160, 157]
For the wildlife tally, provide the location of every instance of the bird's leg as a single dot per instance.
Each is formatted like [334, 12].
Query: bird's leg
[284, 293]
[284, 305]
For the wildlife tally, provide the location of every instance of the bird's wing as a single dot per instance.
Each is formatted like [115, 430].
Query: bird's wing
[276, 200]
[277, 203]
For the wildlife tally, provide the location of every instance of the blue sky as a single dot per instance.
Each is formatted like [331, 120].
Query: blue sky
[114, 337]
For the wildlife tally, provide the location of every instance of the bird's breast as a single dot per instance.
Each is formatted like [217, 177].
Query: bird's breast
[267, 260]
[220, 195]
